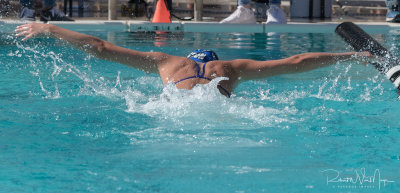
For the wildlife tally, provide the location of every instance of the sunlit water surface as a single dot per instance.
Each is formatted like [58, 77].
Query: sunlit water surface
[72, 123]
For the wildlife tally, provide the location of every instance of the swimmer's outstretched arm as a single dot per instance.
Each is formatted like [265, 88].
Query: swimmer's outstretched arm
[250, 69]
[147, 61]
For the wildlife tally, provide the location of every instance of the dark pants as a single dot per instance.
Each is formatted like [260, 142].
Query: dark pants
[31, 3]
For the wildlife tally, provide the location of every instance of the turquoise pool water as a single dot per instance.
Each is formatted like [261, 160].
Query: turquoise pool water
[72, 123]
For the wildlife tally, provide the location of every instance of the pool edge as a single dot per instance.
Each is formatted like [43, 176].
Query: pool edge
[8, 26]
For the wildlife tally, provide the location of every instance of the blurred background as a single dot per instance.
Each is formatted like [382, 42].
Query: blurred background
[213, 10]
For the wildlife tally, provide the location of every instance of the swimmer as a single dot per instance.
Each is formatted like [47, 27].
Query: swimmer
[200, 67]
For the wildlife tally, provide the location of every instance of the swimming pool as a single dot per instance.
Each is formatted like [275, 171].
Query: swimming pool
[73, 123]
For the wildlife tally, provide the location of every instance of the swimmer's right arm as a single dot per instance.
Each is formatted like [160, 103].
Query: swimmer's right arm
[147, 61]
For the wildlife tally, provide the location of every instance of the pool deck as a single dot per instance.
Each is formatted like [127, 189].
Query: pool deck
[370, 24]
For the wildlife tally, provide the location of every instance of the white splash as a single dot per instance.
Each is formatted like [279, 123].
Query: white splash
[203, 102]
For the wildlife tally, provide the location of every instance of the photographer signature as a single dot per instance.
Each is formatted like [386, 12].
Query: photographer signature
[334, 176]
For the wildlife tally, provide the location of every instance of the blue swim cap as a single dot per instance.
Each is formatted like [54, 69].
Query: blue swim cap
[201, 55]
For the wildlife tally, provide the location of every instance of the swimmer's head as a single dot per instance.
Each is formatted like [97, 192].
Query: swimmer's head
[201, 55]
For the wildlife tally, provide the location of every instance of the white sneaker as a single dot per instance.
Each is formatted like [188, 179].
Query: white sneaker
[276, 15]
[241, 15]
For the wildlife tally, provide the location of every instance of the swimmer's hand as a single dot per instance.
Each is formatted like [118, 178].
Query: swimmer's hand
[31, 30]
[364, 54]
[365, 57]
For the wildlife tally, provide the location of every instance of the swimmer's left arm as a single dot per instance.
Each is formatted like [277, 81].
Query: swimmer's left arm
[250, 69]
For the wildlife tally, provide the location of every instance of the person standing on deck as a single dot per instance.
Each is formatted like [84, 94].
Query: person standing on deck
[244, 13]
[393, 14]
[49, 12]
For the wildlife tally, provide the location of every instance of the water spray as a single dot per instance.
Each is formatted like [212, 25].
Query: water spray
[361, 41]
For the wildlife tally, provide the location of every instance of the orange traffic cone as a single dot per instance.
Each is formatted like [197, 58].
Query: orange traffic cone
[162, 14]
